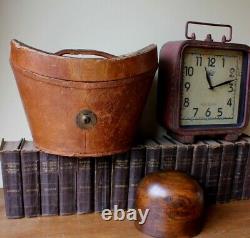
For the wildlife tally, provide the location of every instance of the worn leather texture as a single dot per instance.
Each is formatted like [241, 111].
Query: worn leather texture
[55, 88]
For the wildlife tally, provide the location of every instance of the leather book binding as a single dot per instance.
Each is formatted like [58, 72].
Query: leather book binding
[213, 170]
[240, 167]
[168, 153]
[153, 153]
[102, 183]
[226, 172]
[246, 183]
[184, 156]
[199, 165]
[49, 184]
[67, 185]
[119, 181]
[85, 185]
[12, 178]
[136, 172]
[30, 178]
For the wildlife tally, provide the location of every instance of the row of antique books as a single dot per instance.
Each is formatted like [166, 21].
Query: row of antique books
[36, 183]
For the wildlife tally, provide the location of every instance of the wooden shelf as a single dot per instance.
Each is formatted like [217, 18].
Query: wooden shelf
[227, 220]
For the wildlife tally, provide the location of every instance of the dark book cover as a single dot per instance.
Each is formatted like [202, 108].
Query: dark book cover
[136, 172]
[12, 178]
[30, 178]
[199, 165]
[226, 172]
[168, 153]
[67, 185]
[153, 153]
[49, 184]
[239, 171]
[246, 183]
[213, 170]
[184, 156]
[119, 181]
[102, 183]
[85, 185]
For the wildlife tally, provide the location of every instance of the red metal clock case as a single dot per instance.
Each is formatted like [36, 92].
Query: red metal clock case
[169, 91]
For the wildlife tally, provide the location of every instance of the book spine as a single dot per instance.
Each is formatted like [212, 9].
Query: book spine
[102, 183]
[119, 183]
[199, 165]
[136, 173]
[213, 173]
[152, 159]
[184, 158]
[67, 185]
[226, 173]
[49, 184]
[30, 178]
[239, 172]
[12, 184]
[85, 185]
[168, 158]
[246, 183]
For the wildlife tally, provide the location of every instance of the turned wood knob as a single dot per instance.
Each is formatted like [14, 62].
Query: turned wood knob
[175, 202]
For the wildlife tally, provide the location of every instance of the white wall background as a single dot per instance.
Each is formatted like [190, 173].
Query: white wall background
[115, 26]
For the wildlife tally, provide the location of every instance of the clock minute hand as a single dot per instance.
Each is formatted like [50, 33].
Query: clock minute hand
[224, 83]
[208, 79]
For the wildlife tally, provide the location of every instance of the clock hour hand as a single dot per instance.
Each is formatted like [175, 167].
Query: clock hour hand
[208, 79]
[224, 83]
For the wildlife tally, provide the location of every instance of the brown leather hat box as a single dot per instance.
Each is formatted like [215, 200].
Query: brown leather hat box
[83, 106]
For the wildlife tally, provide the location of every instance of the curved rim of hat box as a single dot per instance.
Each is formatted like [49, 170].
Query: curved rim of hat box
[83, 106]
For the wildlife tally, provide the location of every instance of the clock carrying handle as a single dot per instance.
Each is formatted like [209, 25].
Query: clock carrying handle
[209, 38]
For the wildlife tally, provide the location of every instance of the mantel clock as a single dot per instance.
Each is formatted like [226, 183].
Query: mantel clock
[203, 87]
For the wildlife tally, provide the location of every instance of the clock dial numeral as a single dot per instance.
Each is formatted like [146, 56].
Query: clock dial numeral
[229, 102]
[198, 60]
[231, 87]
[208, 112]
[196, 109]
[220, 112]
[186, 102]
[211, 86]
[211, 61]
[189, 71]
[223, 62]
[232, 73]
[187, 86]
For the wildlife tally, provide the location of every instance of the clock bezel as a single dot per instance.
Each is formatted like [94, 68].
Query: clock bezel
[240, 116]
[174, 63]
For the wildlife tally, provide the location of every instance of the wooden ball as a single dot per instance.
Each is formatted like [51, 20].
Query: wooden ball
[176, 204]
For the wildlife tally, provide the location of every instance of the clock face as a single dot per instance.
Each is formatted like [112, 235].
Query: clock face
[211, 87]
